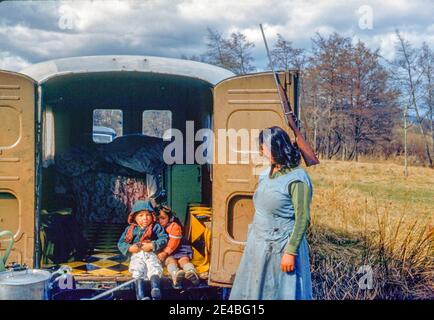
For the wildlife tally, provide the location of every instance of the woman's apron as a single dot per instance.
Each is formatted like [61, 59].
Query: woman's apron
[259, 276]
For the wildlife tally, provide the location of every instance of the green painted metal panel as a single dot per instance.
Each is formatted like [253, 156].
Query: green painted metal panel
[184, 185]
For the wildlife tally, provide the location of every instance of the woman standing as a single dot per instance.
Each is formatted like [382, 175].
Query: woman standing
[275, 264]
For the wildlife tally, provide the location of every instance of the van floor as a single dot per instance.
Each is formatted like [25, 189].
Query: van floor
[104, 264]
[105, 260]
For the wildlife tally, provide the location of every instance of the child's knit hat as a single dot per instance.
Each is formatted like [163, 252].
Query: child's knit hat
[140, 205]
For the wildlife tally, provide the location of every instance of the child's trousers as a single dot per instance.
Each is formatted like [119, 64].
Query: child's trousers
[144, 265]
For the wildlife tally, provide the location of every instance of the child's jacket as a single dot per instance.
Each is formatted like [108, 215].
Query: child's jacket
[134, 234]
[174, 230]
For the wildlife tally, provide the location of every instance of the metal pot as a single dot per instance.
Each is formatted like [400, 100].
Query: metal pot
[30, 284]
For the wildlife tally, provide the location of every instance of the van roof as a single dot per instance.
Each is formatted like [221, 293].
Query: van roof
[43, 71]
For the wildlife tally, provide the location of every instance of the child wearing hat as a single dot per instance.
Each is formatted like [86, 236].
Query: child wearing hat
[178, 251]
[142, 239]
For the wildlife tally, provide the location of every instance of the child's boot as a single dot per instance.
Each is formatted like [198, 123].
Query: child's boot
[155, 287]
[176, 274]
[190, 273]
[140, 289]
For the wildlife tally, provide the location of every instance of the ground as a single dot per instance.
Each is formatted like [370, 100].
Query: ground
[371, 232]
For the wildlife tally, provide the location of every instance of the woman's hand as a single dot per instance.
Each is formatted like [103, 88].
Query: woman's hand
[287, 264]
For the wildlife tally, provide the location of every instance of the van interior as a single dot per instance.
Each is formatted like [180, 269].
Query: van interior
[102, 141]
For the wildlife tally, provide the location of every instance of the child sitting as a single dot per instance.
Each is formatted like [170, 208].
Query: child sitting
[177, 251]
[142, 239]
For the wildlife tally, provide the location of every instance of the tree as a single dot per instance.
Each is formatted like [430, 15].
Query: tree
[352, 105]
[217, 50]
[371, 102]
[426, 63]
[239, 49]
[285, 56]
[233, 53]
[325, 73]
[354, 101]
[409, 77]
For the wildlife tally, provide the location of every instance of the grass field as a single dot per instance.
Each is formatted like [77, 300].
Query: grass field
[369, 220]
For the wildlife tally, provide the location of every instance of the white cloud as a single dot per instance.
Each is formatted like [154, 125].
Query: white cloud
[88, 15]
[36, 31]
[12, 63]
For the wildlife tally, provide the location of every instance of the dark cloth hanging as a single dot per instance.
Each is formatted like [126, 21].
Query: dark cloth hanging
[63, 234]
[103, 182]
[137, 152]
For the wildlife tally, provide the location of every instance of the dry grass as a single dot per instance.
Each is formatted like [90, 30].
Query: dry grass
[368, 214]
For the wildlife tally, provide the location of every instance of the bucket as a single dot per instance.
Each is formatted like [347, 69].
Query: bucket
[29, 284]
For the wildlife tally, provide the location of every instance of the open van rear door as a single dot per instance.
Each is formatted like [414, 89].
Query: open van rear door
[17, 164]
[246, 102]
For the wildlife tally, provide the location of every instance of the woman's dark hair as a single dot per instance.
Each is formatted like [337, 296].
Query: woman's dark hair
[282, 150]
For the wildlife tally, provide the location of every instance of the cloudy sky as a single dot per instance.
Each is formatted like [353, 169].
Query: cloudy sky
[34, 31]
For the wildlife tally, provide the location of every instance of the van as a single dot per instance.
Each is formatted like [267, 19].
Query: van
[101, 134]
[70, 129]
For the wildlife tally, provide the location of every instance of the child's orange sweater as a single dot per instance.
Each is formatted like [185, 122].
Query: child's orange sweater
[174, 230]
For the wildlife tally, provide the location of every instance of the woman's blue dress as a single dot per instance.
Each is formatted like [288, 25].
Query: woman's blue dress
[259, 276]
